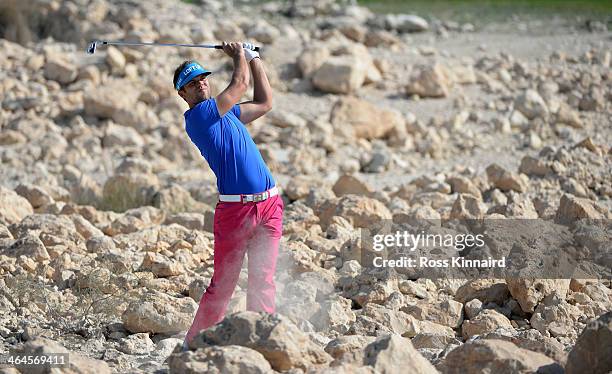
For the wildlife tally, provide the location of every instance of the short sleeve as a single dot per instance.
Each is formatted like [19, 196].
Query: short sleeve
[208, 111]
[236, 110]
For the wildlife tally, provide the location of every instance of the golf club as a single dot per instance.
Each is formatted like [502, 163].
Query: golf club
[91, 48]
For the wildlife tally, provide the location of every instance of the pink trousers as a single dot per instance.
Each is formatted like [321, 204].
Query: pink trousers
[253, 228]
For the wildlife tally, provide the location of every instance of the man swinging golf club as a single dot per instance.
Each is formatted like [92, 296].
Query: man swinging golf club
[248, 216]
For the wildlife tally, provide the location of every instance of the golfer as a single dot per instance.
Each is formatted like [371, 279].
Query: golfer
[248, 216]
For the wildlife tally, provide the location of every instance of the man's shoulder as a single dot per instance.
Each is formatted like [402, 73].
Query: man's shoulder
[200, 104]
[205, 108]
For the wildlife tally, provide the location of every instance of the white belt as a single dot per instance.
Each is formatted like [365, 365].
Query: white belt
[246, 198]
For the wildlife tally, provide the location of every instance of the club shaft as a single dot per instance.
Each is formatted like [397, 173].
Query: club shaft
[162, 44]
[166, 44]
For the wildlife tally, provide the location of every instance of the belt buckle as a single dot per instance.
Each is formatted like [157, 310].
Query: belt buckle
[261, 196]
[256, 197]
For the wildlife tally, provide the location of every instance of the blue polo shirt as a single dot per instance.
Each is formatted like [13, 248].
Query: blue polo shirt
[228, 148]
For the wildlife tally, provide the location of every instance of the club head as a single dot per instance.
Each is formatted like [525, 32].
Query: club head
[91, 48]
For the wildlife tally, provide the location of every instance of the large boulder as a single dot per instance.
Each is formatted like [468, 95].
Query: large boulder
[10, 137]
[231, 359]
[134, 220]
[376, 319]
[496, 356]
[121, 136]
[464, 185]
[274, 336]
[557, 318]
[300, 187]
[347, 344]
[444, 312]
[115, 59]
[534, 167]
[432, 342]
[112, 100]
[572, 208]
[485, 290]
[395, 354]
[176, 199]
[37, 196]
[532, 340]
[139, 117]
[105, 101]
[98, 243]
[531, 104]
[84, 227]
[161, 266]
[340, 74]
[157, 312]
[365, 119]
[285, 120]
[136, 344]
[505, 180]
[59, 69]
[192, 221]
[467, 206]
[430, 81]
[530, 292]
[37, 224]
[335, 314]
[29, 245]
[593, 350]
[13, 208]
[312, 58]
[568, 116]
[360, 211]
[486, 321]
[351, 184]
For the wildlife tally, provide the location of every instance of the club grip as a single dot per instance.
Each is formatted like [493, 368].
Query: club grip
[256, 49]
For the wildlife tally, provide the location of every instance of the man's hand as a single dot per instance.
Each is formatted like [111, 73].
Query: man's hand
[233, 49]
[240, 78]
[249, 53]
[262, 93]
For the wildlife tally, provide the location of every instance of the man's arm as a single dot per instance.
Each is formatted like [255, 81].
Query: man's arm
[262, 94]
[240, 79]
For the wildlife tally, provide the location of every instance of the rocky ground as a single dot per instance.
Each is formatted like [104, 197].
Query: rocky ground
[106, 207]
